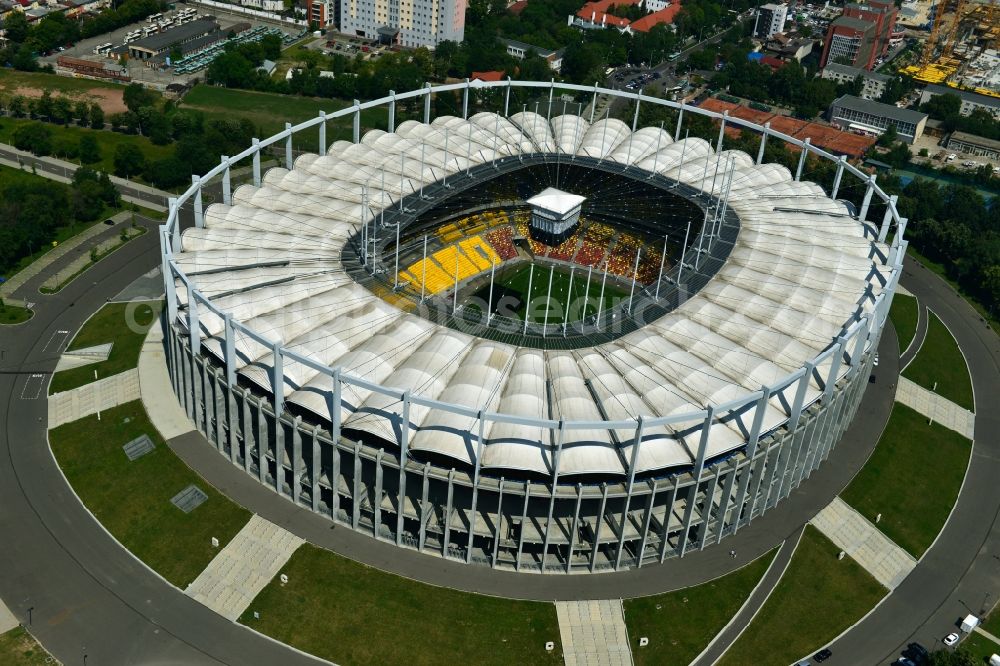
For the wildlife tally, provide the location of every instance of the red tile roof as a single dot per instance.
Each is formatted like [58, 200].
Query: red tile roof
[494, 75]
[598, 12]
[822, 136]
[517, 7]
[664, 16]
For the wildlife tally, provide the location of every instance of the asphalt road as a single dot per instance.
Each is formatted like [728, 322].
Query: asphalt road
[960, 573]
[43, 166]
[87, 596]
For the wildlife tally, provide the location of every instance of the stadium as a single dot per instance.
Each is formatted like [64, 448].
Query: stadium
[532, 341]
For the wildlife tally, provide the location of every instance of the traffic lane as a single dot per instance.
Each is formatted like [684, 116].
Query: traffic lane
[83, 586]
[68, 173]
[955, 574]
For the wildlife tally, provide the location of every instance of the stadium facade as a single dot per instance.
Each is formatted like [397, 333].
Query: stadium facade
[657, 428]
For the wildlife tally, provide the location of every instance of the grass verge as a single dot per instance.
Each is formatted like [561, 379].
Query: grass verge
[12, 314]
[816, 599]
[19, 648]
[351, 614]
[903, 313]
[680, 624]
[132, 499]
[123, 324]
[912, 479]
[940, 362]
[270, 112]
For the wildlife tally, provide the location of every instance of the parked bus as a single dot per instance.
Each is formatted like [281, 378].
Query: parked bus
[102, 49]
[153, 18]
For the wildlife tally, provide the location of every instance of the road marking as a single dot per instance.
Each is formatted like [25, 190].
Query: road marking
[61, 335]
[33, 387]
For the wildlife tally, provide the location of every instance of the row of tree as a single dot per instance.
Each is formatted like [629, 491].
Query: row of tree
[58, 109]
[32, 210]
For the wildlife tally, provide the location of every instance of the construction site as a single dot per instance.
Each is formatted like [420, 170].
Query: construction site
[961, 50]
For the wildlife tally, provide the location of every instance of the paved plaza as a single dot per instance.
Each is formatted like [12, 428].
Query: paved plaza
[940, 410]
[244, 567]
[865, 543]
[593, 633]
[98, 396]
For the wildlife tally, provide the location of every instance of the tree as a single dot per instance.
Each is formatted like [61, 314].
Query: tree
[16, 27]
[137, 96]
[44, 105]
[96, 117]
[129, 160]
[33, 137]
[272, 46]
[960, 657]
[81, 112]
[62, 110]
[90, 151]
[889, 136]
[941, 107]
[16, 106]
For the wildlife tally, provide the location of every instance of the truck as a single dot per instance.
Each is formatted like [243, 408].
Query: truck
[969, 623]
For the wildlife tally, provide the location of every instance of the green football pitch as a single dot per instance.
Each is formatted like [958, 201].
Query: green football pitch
[568, 302]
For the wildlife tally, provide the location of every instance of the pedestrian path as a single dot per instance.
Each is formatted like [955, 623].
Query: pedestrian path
[98, 396]
[865, 543]
[165, 413]
[900, 289]
[938, 409]
[7, 619]
[593, 632]
[234, 578]
[979, 630]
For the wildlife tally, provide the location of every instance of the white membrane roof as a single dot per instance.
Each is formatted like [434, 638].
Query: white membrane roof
[801, 271]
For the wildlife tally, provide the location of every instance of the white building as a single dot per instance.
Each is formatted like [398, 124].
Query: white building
[519, 50]
[404, 22]
[872, 83]
[264, 5]
[770, 19]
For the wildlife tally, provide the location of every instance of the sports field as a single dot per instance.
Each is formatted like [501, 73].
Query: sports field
[568, 302]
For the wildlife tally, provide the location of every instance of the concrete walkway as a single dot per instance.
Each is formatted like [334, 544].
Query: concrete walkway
[234, 578]
[980, 630]
[98, 396]
[7, 619]
[940, 410]
[158, 398]
[865, 543]
[593, 633]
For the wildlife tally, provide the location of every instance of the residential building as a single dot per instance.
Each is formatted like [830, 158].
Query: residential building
[970, 100]
[770, 19]
[404, 22]
[789, 46]
[519, 50]
[872, 83]
[264, 5]
[864, 116]
[323, 13]
[971, 144]
[861, 35]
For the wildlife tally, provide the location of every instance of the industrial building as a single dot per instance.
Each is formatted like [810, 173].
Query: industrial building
[974, 145]
[188, 36]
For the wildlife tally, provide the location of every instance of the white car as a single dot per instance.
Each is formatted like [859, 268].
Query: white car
[951, 639]
[950, 157]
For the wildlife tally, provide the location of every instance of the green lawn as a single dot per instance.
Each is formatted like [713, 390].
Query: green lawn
[515, 281]
[816, 599]
[11, 314]
[19, 648]
[124, 324]
[132, 499]
[979, 647]
[270, 112]
[351, 614]
[107, 140]
[912, 479]
[680, 624]
[903, 314]
[940, 362]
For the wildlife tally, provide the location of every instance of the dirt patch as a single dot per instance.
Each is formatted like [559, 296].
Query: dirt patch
[109, 100]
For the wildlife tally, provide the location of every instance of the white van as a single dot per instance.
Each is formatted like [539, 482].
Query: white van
[969, 623]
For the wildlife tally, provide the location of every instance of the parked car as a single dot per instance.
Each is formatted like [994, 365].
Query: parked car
[951, 639]
[823, 655]
[917, 653]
